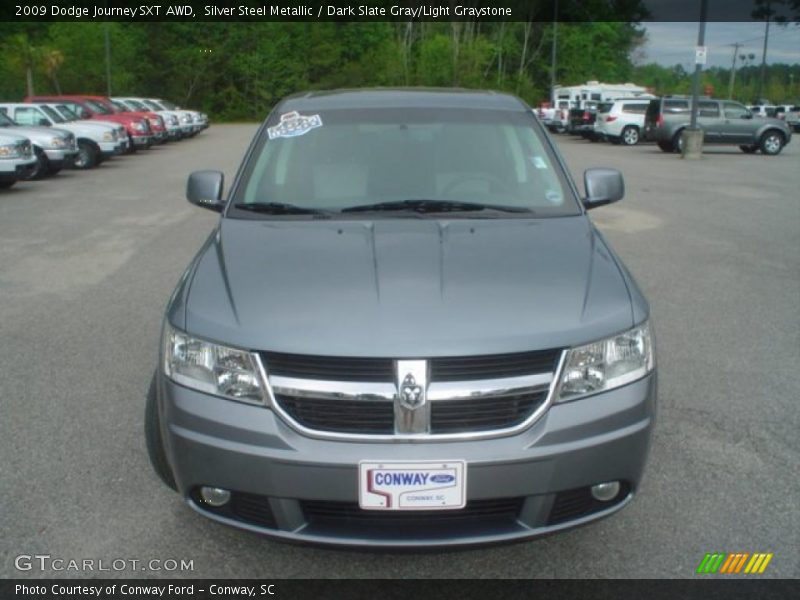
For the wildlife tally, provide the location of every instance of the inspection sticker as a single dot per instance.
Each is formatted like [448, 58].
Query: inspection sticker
[293, 124]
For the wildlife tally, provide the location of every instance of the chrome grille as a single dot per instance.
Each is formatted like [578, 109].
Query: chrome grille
[473, 396]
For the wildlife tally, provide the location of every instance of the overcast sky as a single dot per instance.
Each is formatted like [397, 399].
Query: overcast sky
[673, 43]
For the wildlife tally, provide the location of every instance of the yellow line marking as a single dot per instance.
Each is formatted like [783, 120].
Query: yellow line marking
[767, 558]
[742, 561]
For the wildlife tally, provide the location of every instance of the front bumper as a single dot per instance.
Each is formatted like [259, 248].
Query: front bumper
[250, 450]
[58, 157]
[16, 169]
[142, 141]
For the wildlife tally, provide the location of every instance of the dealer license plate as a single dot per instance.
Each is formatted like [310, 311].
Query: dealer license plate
[424, 485]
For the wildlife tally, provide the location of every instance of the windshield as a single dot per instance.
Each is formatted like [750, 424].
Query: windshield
[67, 112]
[347, 158]
[138, 105]
[151, 105]
[120, 106]
[53, 114]
[168, 105]
[98, 108]
[5, 121]
[605, 107]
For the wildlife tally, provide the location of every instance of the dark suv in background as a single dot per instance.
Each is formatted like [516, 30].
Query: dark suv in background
[722, 122]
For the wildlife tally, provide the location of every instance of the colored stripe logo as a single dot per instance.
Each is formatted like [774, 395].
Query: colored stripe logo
[734, 563]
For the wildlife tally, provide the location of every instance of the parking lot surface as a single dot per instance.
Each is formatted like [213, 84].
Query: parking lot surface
[87, 263]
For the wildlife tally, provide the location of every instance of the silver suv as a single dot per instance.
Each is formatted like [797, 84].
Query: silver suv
[404, 331]
[722, 122]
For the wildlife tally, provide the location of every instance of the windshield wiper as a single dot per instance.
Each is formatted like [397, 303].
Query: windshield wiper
[434, 206]
[281, 208]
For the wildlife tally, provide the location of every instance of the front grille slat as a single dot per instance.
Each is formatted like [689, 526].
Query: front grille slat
[372, 416]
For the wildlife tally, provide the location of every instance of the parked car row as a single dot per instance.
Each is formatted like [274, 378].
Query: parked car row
[44, 134]
[662, 120]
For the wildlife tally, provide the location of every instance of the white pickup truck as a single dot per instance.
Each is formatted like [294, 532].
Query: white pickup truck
[17, 160]
[96, 141]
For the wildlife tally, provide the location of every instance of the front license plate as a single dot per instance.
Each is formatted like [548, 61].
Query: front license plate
[425, 485]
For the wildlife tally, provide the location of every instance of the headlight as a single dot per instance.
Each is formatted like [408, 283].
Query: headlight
[58, 142]
[10, 151]
[138, 126]
[211, 368]
[109, 136]
[607, 364]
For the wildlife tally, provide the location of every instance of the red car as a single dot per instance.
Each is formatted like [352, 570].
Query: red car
[139, 129]
[155, 120]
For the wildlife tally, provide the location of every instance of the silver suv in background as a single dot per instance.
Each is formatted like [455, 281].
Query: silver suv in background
[96, 142]
[722, 122]
[404, 330]
[17, 160]
[53, 148]
[621, 121]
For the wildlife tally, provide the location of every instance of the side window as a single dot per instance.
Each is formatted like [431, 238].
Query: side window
[708, 109]
[676, 106]
[636, 109]
[597, 97]
[734, 110]
[27, 116]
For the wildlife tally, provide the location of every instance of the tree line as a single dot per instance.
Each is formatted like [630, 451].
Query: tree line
[237, 71]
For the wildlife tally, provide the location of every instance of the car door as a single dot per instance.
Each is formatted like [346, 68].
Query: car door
[737, 123]
[710, 120]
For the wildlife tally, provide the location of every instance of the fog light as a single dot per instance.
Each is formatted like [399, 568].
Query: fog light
[214, 496]
[605, 491]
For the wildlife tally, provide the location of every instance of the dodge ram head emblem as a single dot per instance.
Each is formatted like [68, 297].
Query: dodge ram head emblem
[411, 394]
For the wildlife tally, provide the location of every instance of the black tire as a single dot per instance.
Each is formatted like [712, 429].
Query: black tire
[155, 443]
[666, 146]
[748, 149]
[4, 185]
[87, 155]
[771, 142]
[630, 135]
[677, 142]
[42, 165]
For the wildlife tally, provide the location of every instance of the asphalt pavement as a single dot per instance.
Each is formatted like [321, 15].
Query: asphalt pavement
[89, 259]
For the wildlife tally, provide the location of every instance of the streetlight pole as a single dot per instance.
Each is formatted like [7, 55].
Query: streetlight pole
[732, 78]
[764, 56]
[553, 56]
[108, 58]
[692, 138]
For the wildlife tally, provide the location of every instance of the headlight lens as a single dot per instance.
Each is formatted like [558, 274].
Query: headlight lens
[211, 368]
[607, 364]
[109, 136]
[58, 142]
[9, 151]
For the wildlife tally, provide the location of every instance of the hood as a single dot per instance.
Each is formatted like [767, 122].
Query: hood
[404, 287]
[39, 133]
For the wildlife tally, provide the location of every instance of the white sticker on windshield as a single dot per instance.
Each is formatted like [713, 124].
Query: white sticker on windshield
[538, 162]
[293, 124]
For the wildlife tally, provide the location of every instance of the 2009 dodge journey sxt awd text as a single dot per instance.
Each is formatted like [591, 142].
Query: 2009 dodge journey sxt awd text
[404, 331]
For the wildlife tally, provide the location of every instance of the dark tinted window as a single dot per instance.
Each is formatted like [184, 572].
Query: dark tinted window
[604, 107]
[708, 109]
[676, 106]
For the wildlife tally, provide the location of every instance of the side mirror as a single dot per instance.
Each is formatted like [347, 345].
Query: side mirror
[44, 122]
[204, 189]
[747, 115]
[603, 186]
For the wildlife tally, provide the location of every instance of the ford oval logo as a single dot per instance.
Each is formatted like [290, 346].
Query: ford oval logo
[442, 478]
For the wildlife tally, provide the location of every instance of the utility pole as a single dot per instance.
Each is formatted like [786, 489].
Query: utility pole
[732, 78]
[108, 59]
[553, 56]
[692, 137]
[764, 55]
